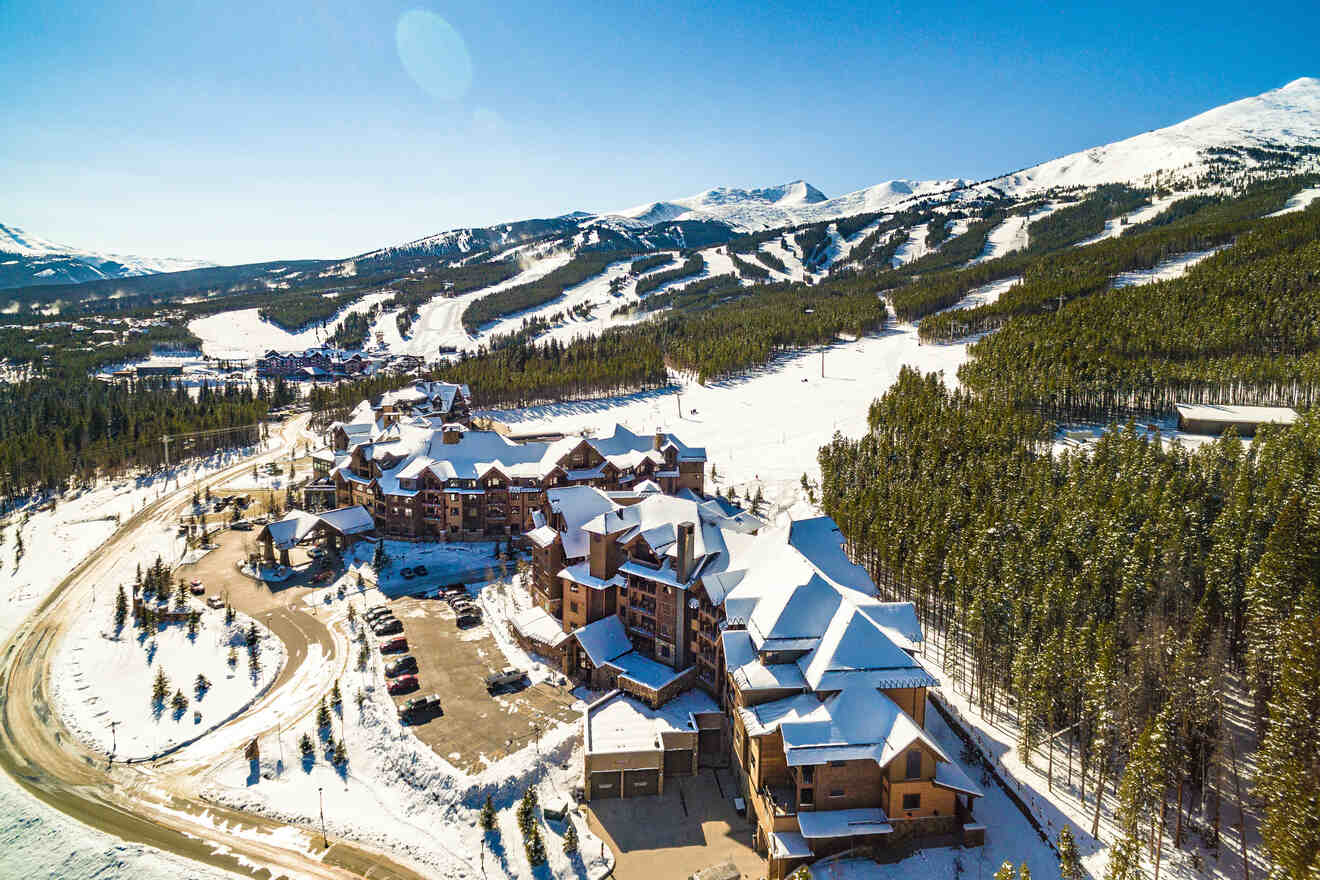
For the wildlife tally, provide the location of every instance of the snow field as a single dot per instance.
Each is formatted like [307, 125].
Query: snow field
[102, 677]
[1165, 270]
[1116, 226]
[1299, 202]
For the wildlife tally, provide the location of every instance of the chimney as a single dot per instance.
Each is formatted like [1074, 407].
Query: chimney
[451, 434]
[659, 441]
[685, 541]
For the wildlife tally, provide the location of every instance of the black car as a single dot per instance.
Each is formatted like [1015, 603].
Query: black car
[468, 619]
[421, 707]
[407, 574]
[387, 627]
[402, 666]
[377, 611]
[419, 570]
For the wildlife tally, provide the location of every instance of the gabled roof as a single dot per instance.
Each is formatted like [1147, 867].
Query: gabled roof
[854, 650]
[857, 723]
[603, 640]
[349, 520]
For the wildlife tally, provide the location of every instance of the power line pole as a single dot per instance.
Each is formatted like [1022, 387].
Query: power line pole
[324, 842]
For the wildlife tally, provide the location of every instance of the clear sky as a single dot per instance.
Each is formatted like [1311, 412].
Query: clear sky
[238, 131]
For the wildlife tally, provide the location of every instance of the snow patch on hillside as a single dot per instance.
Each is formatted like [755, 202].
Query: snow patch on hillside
[1299, 202]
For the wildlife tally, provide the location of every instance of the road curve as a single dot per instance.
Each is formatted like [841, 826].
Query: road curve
[40, 754]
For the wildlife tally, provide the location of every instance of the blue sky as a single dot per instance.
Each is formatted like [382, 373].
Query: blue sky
[242, 131]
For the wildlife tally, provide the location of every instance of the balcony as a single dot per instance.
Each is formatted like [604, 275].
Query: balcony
[782, 799]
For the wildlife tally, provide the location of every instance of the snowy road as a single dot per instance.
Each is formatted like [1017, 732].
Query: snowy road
[150, 803]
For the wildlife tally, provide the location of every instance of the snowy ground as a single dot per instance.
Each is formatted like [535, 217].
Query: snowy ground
[1173, 267]
[266, 480]
[396, 794]
[763, 430]
[103, 677]
[1115, 227]
[446, 563]
[55, 541]
[1011, 235]
[1299, 202]
[37, 841]
[222, 332]
[997, 741]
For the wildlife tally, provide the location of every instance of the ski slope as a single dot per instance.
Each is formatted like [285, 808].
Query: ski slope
[223, 332]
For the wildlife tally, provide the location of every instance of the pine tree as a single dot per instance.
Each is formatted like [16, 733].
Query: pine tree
[201, 686]
[1005, 871]
[1024, 872]
[1289, 781]
[380, 560]
[160, 688]
[232, 659]
[336, 697]
[340, 754]
[322, 715]
[488, 815]
[194, 618]
[758, 501]
[570, 839]
[1070, 863]
[230, 614]
[121, 609]
[179, 702]
[535, 847]
[305, 745]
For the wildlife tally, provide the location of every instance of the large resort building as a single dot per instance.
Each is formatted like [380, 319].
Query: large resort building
[412, 460]
[716, 638]
[772, 630]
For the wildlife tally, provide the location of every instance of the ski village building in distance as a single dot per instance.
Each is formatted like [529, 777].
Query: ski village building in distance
[718, 638]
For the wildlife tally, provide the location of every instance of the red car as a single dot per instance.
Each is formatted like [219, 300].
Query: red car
[394, 646]
[403, 684]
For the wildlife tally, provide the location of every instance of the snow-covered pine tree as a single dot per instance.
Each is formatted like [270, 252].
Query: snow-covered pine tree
[121, 608]
[160, 688]
[488, 814]
[570, 839]
[1070, 863]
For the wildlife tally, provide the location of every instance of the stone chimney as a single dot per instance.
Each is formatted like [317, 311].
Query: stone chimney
[659, 441]
[686, 539]
[451, 434]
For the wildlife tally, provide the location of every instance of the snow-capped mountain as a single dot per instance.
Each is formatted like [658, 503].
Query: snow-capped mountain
[775, 206]
[1241, 135]
[28, 259]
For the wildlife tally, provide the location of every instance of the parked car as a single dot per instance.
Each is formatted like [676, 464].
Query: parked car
[377, 609]
[402, 666]
[387, 627]
[506, 676]
[421, 707]
[469, 619]
[196, 588]
[419, 570]
[242, 526]
[324, 577]
[403, 684]
[407, 574]
[316, 552]
[394, 646]
[215, 602]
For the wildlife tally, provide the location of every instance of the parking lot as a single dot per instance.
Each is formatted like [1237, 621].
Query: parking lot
[476, 727]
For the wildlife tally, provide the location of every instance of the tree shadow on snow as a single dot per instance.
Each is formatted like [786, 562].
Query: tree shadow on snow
[308, 762]
[254, 772]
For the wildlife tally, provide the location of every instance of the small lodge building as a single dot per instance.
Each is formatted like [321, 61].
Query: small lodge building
[1215, 419]
[336, 530]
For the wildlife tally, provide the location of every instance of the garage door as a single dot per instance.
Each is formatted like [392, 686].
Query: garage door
[678, 762]
[639, 783]
[605, 785]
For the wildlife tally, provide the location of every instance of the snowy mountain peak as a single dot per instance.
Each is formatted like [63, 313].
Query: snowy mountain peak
[29, 259]
[1288, 116]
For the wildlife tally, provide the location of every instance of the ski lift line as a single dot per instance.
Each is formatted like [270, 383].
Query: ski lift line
[167, 439]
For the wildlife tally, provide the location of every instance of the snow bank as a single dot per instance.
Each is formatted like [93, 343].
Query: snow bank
[99, 677]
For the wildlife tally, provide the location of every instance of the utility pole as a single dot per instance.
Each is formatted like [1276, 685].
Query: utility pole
[822, 363]
[679, 399]
[114, 741]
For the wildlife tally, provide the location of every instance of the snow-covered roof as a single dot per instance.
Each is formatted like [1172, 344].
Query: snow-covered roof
[618, 723]
[542, 536]
[536, 624]
[854, 650]
[603, 640]
[789, 845]
[349, 520]
[857, 723]
[287, 532]
[843, 823]
[580, 573]
[1246, 415]
[950, 775]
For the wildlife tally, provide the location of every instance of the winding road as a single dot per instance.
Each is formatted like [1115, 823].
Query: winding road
[157, 803]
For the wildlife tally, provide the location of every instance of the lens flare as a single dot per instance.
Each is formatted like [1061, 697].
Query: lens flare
[434, 54]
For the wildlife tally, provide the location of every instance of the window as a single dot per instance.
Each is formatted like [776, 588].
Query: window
[806, 798]
[838, 764]
[912, 802]
[914, 764]
[836, 792]
[573, 606]
[572, 588]
[808, 775]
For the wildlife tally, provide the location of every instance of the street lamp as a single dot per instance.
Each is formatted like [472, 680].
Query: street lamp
[319, 793]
